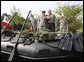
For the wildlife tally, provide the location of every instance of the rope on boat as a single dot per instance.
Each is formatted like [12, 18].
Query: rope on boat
[75, 41]
[62, 43]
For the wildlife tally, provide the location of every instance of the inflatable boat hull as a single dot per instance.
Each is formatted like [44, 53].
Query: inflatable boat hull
[35, 50]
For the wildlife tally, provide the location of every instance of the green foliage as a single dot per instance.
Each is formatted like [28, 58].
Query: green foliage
[72, 14]
[15, 10]
[27, 25]
[75, 25]
[17, 19]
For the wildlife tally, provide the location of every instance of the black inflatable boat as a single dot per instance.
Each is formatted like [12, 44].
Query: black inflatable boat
[43, 45]
[57, 48]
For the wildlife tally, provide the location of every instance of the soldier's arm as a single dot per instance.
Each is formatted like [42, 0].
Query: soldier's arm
[55, 22]
[48, 17]
[38, 19]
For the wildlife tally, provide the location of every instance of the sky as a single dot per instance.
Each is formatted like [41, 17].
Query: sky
[35, 6]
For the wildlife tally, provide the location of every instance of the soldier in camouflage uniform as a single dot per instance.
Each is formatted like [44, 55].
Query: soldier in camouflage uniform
[62, 24]
[33, 22]
[52, 21]
[41, 22]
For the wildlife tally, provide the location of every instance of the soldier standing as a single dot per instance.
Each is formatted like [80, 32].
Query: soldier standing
[62, 23]
[41, 22]
[33, 22]
[52, 23]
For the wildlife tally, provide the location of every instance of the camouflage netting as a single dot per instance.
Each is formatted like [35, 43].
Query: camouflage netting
[68, 41]
[10, 33]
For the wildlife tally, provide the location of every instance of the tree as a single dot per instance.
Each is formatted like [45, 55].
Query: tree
[18, 19]
[72, 14]
[15, 10]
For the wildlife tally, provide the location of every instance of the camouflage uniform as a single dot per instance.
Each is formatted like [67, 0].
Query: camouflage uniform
[51, 22]
[62, 25]
[41, 23]
[33, 22]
